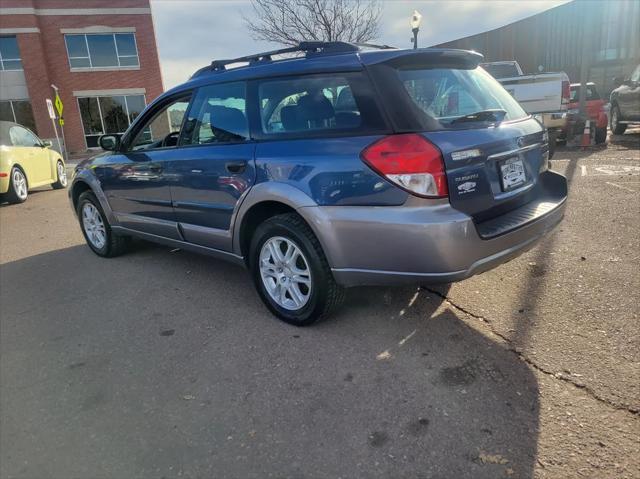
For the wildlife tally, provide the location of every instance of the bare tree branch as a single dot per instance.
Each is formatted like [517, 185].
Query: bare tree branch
[290, 22]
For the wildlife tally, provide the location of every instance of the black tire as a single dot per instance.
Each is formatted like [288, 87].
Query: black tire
[616, 127]
[114, 244]
[601, 135]
[15, 194]
[325, 295]
[552, 143]
[61, 182]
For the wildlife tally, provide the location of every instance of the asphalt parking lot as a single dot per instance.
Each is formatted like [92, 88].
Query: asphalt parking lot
[163, 364]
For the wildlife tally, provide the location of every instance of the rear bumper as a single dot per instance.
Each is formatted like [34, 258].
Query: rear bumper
[428, 244]
[4, 184]
[555, 120]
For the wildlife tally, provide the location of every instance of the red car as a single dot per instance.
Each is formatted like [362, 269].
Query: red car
[596, 109]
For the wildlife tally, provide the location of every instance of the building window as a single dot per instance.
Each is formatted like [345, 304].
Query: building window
[102, 50]
[18, 111]
[9, 54]
[108, 114]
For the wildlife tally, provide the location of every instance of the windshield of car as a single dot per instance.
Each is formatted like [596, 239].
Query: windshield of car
[445, 95]
[592, 94]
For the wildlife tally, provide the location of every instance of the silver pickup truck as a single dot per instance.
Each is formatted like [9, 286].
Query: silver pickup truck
[543, 94]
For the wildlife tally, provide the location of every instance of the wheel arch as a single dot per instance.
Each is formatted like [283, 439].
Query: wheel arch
[264, 201]
[85, 181]
[77, 189]
[21, 168]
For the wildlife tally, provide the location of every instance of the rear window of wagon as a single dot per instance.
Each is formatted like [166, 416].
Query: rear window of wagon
[445, 94]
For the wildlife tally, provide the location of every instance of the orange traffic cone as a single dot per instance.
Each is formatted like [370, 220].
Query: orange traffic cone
[586, 135]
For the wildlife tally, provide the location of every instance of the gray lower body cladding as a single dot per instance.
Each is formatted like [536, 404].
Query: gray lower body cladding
[424, 242]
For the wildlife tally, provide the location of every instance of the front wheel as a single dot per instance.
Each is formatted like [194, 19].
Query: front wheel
[291, 272]
[61, 174]
[617, 127]
[96, 229]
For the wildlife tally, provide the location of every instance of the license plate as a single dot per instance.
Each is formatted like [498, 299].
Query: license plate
[513, 175]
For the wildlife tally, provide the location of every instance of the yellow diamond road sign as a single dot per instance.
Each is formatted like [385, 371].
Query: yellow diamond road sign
[59, 107]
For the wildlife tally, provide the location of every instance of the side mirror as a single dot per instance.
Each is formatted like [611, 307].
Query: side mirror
[47, 144]
[109, 142]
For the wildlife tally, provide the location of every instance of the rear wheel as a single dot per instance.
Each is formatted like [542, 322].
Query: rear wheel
[617, 127]
[18, 186]
[61, 175]
[601, 135]
[96, 229]
[291, 272]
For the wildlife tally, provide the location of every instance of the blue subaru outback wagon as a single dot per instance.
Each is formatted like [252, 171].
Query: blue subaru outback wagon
[338, 165]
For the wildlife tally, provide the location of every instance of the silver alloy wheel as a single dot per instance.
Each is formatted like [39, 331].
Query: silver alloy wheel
[62, 174]
[19, 184]
[285, 273]
[94, 226]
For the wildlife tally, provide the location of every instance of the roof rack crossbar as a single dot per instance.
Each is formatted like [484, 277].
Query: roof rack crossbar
[310, 48]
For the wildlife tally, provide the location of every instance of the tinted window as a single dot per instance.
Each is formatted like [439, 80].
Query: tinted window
[308, 104]
[18, 111]
[446, 94]
[108, 114]
[91, 121]
[114, 113]
[635, 76]
[24, 114]
[9, 54]
[218, 115]
[162, 129]
[102, 50]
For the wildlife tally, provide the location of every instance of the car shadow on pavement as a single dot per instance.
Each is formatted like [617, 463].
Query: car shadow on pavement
[4, 203]
[630, 139]
[166, 364]
[534, 286]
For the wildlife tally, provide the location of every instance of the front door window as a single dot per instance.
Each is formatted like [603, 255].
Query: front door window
[162, 129]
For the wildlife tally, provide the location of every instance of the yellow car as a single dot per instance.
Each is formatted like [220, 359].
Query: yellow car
[26, 162]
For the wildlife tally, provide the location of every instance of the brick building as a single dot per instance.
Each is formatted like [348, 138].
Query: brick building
[101, 54]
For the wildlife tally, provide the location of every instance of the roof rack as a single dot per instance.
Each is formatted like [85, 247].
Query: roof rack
[311, 48]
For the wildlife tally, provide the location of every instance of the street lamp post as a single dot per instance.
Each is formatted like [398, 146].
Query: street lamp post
[416, 18]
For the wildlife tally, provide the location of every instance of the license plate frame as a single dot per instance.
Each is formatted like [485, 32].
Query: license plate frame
[512, 173]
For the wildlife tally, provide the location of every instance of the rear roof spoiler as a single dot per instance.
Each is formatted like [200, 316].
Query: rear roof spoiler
[428, 57]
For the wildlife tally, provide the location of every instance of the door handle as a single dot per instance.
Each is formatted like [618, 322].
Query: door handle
[236, 166]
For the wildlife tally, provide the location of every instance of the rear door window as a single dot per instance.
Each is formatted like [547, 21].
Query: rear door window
[218, 115]
[445, 95]
[317, 105]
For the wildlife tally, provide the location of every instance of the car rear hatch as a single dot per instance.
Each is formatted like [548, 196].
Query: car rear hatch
[495, 155]
[492, 170]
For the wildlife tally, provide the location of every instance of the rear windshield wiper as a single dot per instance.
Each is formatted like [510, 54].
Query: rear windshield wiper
[494, 115]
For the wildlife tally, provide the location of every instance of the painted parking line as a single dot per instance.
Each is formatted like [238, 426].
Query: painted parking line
[609, 170]
[618, 185]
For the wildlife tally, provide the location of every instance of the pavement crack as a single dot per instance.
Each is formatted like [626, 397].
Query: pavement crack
[517, 351]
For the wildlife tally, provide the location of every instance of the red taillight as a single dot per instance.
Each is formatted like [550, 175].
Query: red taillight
[409, 161]
[566, 91]
[3, 175]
